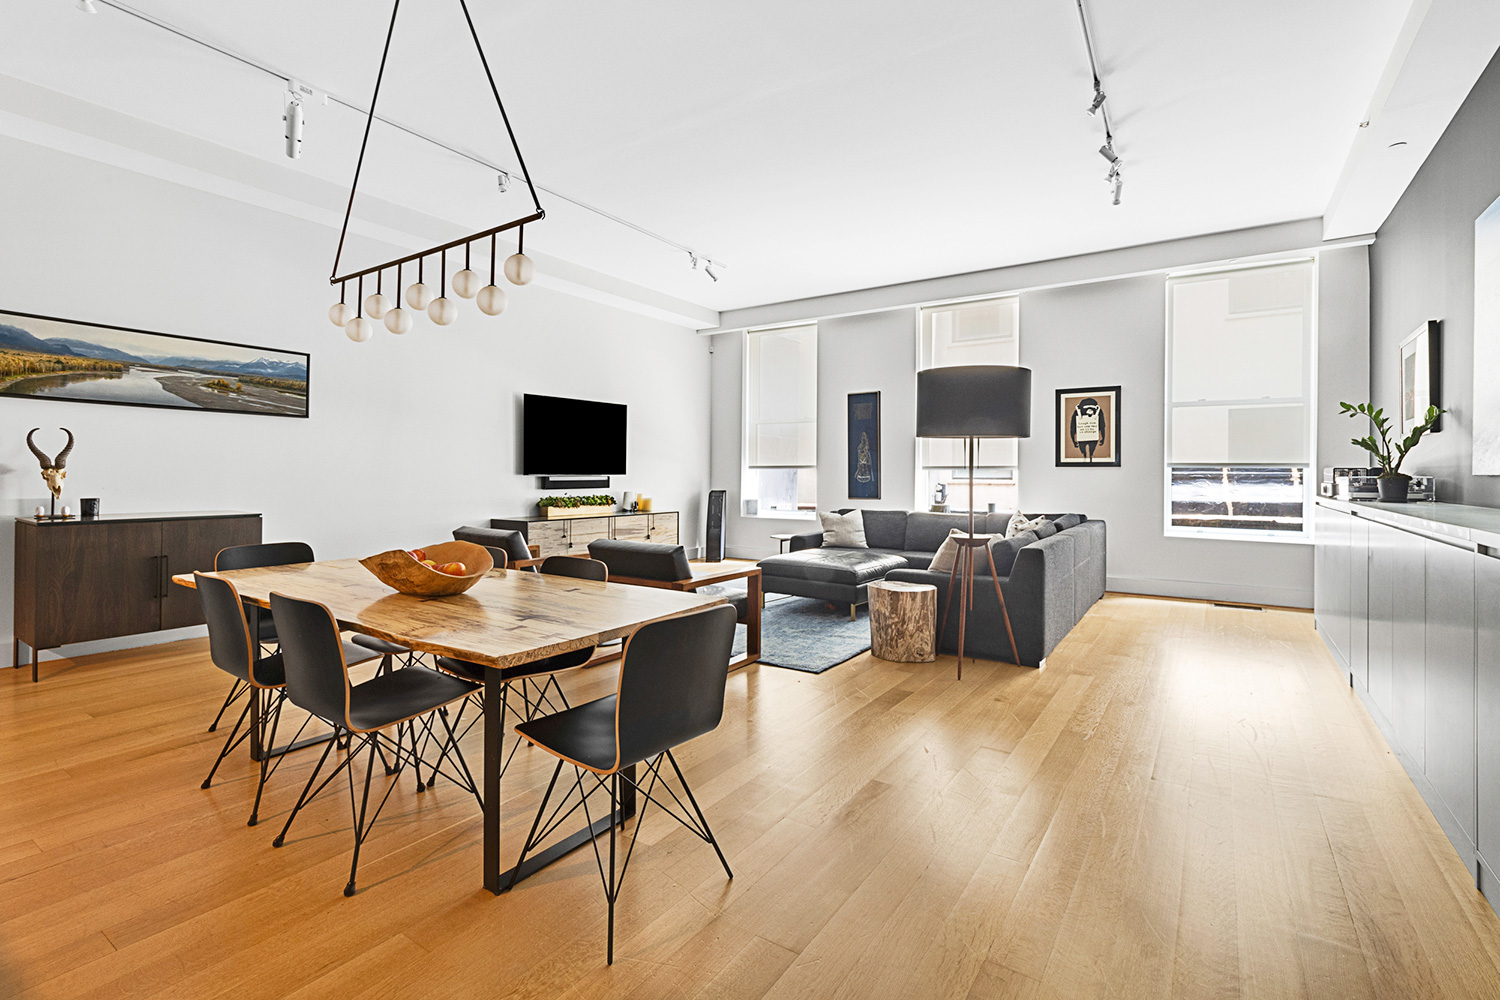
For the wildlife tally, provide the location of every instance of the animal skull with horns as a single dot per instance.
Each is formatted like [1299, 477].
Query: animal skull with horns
[54, 470]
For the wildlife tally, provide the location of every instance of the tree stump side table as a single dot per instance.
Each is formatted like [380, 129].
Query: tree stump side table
[903, 621]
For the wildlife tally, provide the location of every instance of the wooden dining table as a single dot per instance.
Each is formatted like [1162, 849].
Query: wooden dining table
[506, 619]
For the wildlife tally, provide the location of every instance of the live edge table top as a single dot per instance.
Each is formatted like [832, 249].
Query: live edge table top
[505, 619]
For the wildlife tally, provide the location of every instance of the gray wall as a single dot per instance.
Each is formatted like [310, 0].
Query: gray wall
[1103, 332]
[1422, 268]
[876, 352]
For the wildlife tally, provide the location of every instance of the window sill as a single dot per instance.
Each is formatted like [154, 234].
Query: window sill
[1274, 537]
[784, 515]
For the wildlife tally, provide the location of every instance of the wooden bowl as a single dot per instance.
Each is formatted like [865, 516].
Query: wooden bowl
[400, 570]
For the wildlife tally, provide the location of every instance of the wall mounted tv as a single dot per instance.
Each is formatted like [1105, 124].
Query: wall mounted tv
[561, 436]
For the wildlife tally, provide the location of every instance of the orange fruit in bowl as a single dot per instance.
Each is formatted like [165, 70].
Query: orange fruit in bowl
[453, 569]
[420, 555]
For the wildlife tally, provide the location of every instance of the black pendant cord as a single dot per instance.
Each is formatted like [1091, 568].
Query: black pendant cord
[521, 241]
[420, 262]
[484, 61]
[492, 259]
[359, 305]
[466, 256]
[370, 120]
[443, 278]
[343, 291]
[398, 286]
[379, 278]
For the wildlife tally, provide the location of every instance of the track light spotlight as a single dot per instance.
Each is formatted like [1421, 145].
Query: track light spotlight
[87, 6]
[292, 119]
[1117, 179]
[1098, 101]
[1108, 152]
[504, 181]
[694, 259]
[708, 270]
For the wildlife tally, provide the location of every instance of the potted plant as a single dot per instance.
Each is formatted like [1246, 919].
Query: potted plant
[1393, 483]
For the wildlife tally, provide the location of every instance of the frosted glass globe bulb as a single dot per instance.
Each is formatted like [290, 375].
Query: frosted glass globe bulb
[465, 284]
[519, 269]
[492, 300]
[398, 320]
[376, 305]
[442, 311]
[339, 313]
[418, 296]
[359, 329]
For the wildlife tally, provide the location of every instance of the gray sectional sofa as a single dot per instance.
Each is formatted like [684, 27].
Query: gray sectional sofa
[1050, 578]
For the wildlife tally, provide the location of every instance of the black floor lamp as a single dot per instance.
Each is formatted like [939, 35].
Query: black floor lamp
[973, 402]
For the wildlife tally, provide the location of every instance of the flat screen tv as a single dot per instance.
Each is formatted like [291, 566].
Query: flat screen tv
[571, 437]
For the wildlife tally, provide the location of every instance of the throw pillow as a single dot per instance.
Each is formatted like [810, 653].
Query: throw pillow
[843, 531]
[1068, 521]
[1020, 522]
[1046, 529]
[947, 553]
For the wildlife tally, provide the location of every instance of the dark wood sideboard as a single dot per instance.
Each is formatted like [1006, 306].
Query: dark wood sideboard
[99, 578]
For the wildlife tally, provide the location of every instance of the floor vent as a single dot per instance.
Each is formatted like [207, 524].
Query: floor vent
[1239, 607]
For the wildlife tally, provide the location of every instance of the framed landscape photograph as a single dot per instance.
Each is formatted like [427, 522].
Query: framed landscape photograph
[43, 357]
[864, 446]
[1088, 426]
[1420, 368]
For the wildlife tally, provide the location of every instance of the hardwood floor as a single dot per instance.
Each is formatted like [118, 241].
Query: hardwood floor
[1188, 802]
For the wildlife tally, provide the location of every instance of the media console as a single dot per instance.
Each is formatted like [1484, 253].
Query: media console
[560, 536]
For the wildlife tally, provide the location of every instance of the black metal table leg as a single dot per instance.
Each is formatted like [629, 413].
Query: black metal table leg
[494, 725]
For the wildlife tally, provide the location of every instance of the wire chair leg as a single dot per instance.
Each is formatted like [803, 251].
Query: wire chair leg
[613, 889]
[701, 818]
[234, 692]
[229, 746]
[527, 844]
[302, 799]
[265, 760]
[359, 828]
[416, 755]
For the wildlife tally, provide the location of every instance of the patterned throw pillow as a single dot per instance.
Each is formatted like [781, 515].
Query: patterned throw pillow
[1019, 523]
[947, 553]
[843, 531]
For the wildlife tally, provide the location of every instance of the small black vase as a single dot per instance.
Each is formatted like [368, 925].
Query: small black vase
[1394, 489]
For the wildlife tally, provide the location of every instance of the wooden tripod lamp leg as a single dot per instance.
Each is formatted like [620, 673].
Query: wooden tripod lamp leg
[1015, 657]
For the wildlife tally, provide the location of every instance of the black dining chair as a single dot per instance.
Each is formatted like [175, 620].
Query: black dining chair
[317, 681]
[232, 651]
[534, 697]
[671, 690]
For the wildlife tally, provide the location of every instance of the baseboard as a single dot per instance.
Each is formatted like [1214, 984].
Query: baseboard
[1202, 590]
[111, 645]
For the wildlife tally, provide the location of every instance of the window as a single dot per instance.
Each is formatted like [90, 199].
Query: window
[781, 422]
[1240, 402]
[984, 332]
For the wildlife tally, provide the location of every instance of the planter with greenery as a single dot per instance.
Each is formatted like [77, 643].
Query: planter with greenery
[567, 506]
[1394, 483]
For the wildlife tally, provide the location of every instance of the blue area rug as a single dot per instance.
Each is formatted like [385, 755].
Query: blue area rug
[800, 633]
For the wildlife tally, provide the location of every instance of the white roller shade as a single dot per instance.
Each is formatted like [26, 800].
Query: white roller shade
[983, 332]
[781, 398]
[1238, 366]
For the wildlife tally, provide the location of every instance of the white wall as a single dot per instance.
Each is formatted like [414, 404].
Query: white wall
[408, 436]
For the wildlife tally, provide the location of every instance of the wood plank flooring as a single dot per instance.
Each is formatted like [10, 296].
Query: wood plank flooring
[1188, 802]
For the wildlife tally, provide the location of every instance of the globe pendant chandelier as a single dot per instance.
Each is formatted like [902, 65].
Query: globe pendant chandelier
[491, 298]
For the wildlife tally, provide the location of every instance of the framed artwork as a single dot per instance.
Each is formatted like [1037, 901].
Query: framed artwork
[1420, 371]
[1088, 426]
[43, 357]
[864, 446]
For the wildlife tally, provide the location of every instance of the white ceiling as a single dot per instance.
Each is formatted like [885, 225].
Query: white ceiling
[813, 147]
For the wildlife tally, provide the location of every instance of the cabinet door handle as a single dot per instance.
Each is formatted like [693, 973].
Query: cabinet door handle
[166, 579]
